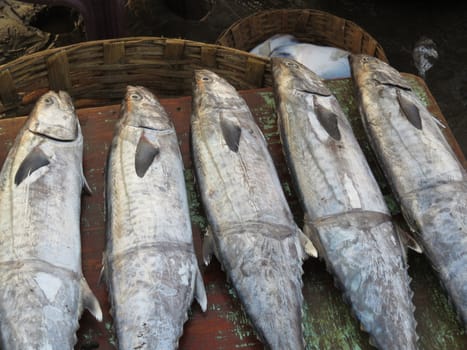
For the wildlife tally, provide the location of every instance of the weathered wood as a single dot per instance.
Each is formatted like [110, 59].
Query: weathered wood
[8, 93]
[59, 71]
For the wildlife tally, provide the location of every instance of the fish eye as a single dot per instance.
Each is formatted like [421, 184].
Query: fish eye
[136, 97]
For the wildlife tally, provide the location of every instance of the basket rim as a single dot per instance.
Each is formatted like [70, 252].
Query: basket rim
[246, 19]
[66, 67]
[91, 43]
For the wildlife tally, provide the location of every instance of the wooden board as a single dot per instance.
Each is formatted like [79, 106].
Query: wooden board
[328, 323]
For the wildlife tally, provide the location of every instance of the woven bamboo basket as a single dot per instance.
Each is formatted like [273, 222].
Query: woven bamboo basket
[97, 72]
[307, 25]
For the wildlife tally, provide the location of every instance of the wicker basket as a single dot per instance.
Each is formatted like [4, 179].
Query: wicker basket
[306, 25]
[97, 72]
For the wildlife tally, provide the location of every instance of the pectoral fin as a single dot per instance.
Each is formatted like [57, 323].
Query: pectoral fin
[208, 247]
[146, 151]
[327, 119]
[308, 245]
[90, 301]
[408, 240]
[410, 110]
[200, 292]
[231, 132]
[34, 160]
[87, 189]
[102, 274]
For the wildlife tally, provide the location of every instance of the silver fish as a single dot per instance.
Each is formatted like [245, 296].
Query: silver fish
[150, 264]
[43, 290]
[252, 231]
[325, 61]
[345, 212]
[422, 169]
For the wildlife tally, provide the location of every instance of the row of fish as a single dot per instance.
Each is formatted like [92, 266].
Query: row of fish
[150, 265]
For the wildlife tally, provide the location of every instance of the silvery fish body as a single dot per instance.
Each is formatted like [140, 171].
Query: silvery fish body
[42, 288]
[252, 231]
[325, 61]
[422, 169]
[150, 265]
[266, 47]
[345, 212]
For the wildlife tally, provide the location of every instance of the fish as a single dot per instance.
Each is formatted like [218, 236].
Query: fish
[326, 61]
[345, 214]
[43, 291]
[424, 173]
[150, 264]
[252, 231]
[266, 47]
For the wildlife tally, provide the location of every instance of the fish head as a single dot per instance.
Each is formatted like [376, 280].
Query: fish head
[212, 91]
[295, 76]
[141, 109]
[362, 65]
[54, 116]
[367, 68]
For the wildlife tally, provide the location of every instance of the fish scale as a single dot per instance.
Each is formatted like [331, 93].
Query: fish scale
[345, 213]
[428, 180]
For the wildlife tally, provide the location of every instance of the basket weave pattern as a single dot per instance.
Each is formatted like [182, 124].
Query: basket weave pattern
[97, 72]
[311, 26]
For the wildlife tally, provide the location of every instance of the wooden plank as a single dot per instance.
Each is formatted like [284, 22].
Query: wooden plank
[58, 71]
[328, 322]
[8, 95]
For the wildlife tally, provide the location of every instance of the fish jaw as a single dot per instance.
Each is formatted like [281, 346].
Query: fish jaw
[363, 252]
[141, 109]
[266, 274]
[54, 116]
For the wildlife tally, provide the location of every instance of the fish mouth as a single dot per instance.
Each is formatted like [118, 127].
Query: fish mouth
[49, 134]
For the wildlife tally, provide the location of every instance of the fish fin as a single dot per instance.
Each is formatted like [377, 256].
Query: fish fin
[200, 292]
[101, 275]
[34, 160]
[103, 270]
[408, 240]
[410, 110]
[208, 247]
[438, 122]
[90, 301]
[146, 151]
[310, 231]
[231, 132]
[307, 245]
[327, 119]
[87, 189]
